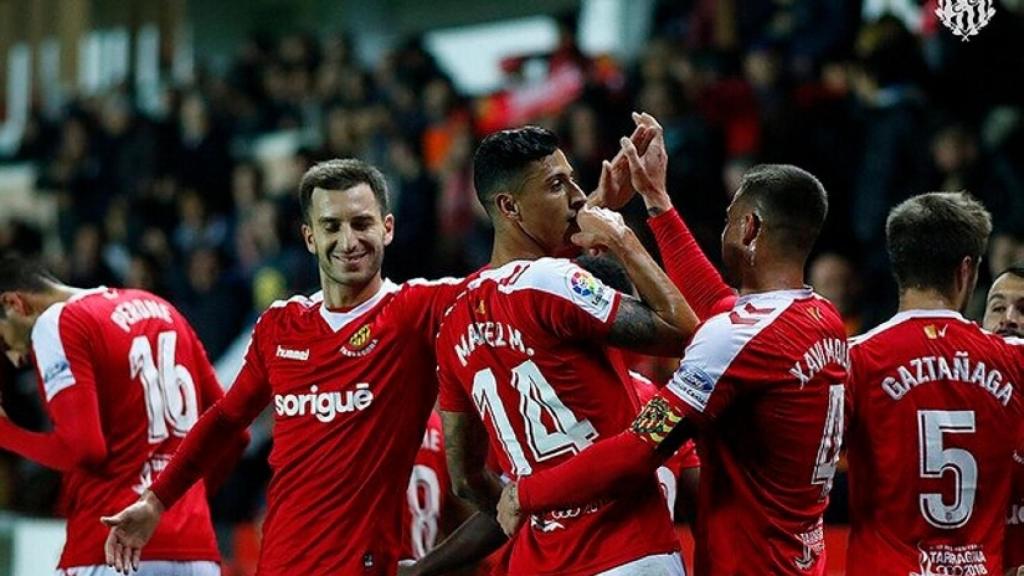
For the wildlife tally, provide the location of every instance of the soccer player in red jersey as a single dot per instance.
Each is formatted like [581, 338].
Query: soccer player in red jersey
[427, 494]
[522, 360]
[762, 379]
[935, 413]
[124, 378]
[1004, 315]
[349, 373]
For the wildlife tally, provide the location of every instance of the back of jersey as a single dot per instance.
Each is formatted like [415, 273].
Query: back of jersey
[522, 348]
[152, 380]
[935, 416]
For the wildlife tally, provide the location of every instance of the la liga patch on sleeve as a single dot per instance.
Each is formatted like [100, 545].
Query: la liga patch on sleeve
[590, 294]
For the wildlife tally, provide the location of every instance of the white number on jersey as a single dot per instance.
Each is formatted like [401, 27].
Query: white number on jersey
[936, 461]
[424, 512]
[168, 388]
[831, 440]
[536, 398]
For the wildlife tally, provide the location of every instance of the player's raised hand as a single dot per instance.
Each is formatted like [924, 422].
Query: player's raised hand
[600, 228]
[648, 161]
[130, 529]
[508, 509]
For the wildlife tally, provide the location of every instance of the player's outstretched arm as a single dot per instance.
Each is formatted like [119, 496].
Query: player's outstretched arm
[663, 322]
[646, 160]
[470, 543]
[76, 441]
[622, 460]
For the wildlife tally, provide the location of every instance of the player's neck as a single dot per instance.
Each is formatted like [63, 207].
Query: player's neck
[511, 247]
[771, 278]
[55, 294]
[341, 296]
[925, 299]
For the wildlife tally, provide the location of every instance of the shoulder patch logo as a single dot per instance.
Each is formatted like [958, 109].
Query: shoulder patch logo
[693, 385]
[589, 293]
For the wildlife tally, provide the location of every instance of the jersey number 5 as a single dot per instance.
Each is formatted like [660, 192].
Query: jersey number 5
[536, 398]
[936, 461]
[167, 388]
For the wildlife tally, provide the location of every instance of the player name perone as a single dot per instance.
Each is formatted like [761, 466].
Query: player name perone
[131, 311]
[493, 334]
[937, 368]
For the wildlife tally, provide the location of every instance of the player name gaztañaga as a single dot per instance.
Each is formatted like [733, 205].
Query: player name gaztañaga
[937, 368]
[324, 405]
[493, 334]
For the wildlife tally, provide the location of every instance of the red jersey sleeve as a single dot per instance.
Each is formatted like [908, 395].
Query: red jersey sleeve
[62, 350]
[213, 436]
[688, 267]
[452, 397]
[426, 301]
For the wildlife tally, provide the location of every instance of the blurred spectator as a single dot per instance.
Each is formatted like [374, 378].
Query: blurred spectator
[212, 302]
[834, 277]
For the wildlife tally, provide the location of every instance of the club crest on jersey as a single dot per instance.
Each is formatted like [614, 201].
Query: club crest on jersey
[593, 296]
[361, 343]
[656, 420]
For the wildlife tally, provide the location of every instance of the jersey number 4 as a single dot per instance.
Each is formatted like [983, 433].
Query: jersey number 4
[167, 388]
[536, 398]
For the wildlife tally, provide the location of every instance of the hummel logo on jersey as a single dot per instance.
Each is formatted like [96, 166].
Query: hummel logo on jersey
[288, 354]
[749, 314]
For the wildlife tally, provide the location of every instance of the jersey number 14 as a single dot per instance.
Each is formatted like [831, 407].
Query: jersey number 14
[536, 398]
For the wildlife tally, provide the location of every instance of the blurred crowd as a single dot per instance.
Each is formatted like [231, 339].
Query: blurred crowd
[182, 202]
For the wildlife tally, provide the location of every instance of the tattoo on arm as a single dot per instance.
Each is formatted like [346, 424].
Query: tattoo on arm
[653, 211]
[635, 325]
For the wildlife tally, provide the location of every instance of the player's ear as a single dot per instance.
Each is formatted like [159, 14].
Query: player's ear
[307, 237]
[12, 302]
[389, 228]
[507, 206]
[752, 225]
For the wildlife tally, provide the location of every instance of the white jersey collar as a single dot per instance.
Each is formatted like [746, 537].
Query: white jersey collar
[338, 320]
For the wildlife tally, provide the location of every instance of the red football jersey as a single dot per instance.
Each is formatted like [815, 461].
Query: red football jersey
[351, 393]
[765, 384]
[427, 493]
[684, 458]
[523, 346]
[934, 419]
[151, 379]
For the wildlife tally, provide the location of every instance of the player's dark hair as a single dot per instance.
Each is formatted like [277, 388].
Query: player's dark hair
[607, 270]
[19, 274]
[929, 235]
[790, 200]
[1015, 269]
[500, 160]
[342, 174]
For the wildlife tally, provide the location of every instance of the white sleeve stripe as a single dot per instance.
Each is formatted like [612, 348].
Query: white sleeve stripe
[51, 359]
[714, 348]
